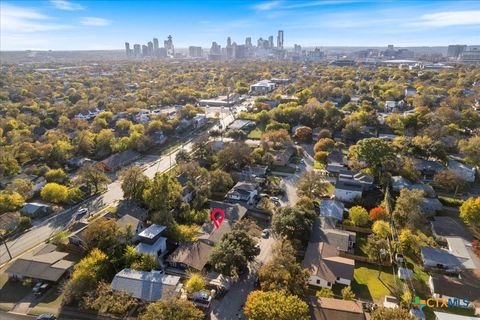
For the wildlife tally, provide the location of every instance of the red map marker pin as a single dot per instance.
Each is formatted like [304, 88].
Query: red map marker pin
[219, 220]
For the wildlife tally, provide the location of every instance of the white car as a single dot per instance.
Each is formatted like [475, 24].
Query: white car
[274, 199]
[265, 233]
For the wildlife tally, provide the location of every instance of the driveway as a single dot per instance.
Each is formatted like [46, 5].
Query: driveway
[231, 305]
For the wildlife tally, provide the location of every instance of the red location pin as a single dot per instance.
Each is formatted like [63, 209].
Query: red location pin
[219, 220]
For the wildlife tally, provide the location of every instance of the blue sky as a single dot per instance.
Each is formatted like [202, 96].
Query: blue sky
[102, 24]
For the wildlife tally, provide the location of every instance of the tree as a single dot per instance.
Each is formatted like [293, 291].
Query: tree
[324, 144]
[145, 262]
[376, 152]
[172, 309]
[283, 272]
[182, 156]
[21, 186]
[347, 293]
[220, 181]
[304, 133]
[274, 305]
[57, 176]
[358, 216]
[8, 164]
[324, 293]
[312, 185]
[377, 250]
[377, 213]
[233, 253]
[103, 234]
[391, 314]
[93, 177]
[321, 156]
[449, 180]
[54, 192]
[293, 223]
[195, 283]
[234, 155]
[104, 300]
[162, 195]
[134, 182]
[410, 242]
[408, 210]
[470, 211]
[381, 228]
[471, 149]
[10, 202]
[276, 139]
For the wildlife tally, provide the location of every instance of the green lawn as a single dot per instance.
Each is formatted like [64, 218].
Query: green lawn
[361, 244]
[369, 285]
[255, 134]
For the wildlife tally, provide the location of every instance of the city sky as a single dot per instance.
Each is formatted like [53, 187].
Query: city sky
[97, 25]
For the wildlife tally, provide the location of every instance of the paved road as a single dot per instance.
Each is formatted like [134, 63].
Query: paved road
[231, 305]
[10, 316]
[47, 228]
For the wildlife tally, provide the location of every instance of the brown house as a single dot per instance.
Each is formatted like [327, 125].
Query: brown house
[335, 309]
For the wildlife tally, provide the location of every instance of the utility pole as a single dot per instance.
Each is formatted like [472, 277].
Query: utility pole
[6, 247]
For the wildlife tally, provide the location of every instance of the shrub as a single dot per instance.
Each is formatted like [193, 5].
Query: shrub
[378, 213]
[358, 215]
[54, 192]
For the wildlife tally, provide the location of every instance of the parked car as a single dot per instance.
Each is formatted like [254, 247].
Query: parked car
[265, 233]
[46, 316]
[274, 199]
[40, 288]
[82, 212]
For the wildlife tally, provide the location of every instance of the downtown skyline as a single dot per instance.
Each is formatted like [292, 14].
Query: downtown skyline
[68, 25]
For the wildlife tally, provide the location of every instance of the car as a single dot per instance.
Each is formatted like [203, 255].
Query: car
[36, 287]
[46, 316]
[265, 233]
[82, 212]
[40, 288]
[274, 199]
[297, 169]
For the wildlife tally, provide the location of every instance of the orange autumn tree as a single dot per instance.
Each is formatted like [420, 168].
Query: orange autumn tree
[378, 213]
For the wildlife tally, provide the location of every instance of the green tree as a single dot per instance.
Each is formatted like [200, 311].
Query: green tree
[449, 180]
[134, 182]
[182, 156]
[233, 253]
[21, 186]
[470, 211]
[162, 195]
[104, 235]
[324, 293]
[358, 216]
[377, 153]
[172, 309]
[145, 262]
[93, 177]
[234, 155]
[10, 201]
[54, 192]
[283, 272]
[347, 293]
[471, 149]
[8, 164]
[312, 185]
[274, 305]
[195, 283]
[293, 223]
[57, 176]
[381, 228]
[220, 181]
[408, 210]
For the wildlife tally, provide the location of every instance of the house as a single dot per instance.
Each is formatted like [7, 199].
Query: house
[282, 157]
[323, 231]
[241, 124]
[451, 316]
[335, 309]
[36, 210]
[465, 171]
[262, 87]
[118, 160]
[431, 205]
[465, 286]
[428, 168]
[183, 125]
[255, 170]
[463, 250]
[78, 162]
[410, 91]
[190, 255]
[151, 241]
[436, 258]
[187, 188]
[244, 192]
[147, 285]
[444, 226]
[199, 121]
[37, 182]
[326, 267]
[399, 183]
[44, 263]
[348, 191]
[332, 209]
[387, 136]
[392, 105]
[158, 138]
[128, 221]
[362, 178]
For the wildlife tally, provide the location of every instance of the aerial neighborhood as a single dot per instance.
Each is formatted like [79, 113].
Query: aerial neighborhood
[278, 188]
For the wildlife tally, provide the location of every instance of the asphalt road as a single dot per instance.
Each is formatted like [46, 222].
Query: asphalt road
[60, 221]
[11, 316]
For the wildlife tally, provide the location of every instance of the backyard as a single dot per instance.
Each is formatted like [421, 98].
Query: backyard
[369, 285]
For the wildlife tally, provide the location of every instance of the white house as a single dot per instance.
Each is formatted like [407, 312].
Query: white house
[243, 191]
[326, 267]
[348, 191]
[151, 241]
[262, 87]
[199, 120]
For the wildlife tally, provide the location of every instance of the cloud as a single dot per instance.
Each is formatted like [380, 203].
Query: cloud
[95, 22]
[66, 5]
[449, 18]
[15, 19]
[264, 6]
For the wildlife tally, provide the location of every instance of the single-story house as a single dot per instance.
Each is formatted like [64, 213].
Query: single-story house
[326, 267]
[452, 316]
[428, 168]
[465, 286]
[78, 162]
[348, 191]
[332, 209]
[463, 250]
[136, 226]
[323, 231]
[399, 183]
[335, 309]
[35, 210]
[465, 171]
[440, 259]
[256, 170]
[410, 91]
[392, 105]
[262, 87]
[44, 263]
[147, 285]
[158, 138]
[190, 255]
[243, 191]
[187, 188]
[151, 241]
[119, 160]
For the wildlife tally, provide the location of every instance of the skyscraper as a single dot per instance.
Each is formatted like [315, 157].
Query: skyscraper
[229, 42]
[150, 48]
[248, 42]
[127, 49]
[136, 50]
[168, 44]
[270, 42]
[144, 50]
[155, 46]
[280, 39]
